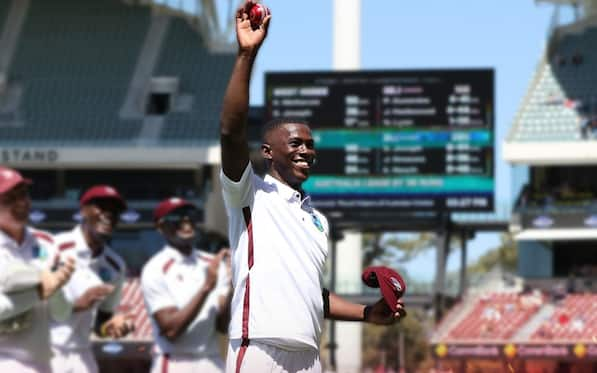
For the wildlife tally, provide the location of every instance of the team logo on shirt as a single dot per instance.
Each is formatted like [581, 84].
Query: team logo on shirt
[105, 274]
[39, 252]
[317, 222]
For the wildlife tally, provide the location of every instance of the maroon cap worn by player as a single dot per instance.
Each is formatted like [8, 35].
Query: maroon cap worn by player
[168, 205]
[10, 178]
[389, 282]
[102, 192]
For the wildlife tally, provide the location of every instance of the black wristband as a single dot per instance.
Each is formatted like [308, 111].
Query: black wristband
[366, 312]
[326, 302]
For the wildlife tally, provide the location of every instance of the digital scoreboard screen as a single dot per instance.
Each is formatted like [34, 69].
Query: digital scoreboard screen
[414, 140]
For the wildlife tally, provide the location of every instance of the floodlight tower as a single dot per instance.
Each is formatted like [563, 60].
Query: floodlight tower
[347, 266]
[347, 34]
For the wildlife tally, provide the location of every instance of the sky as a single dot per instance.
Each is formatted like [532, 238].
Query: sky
[507, 35]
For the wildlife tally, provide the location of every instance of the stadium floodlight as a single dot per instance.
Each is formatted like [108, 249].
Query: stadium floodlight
[213, 18]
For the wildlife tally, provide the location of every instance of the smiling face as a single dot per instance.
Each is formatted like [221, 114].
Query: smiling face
[100, 217]
[15, 205]
[290, 151]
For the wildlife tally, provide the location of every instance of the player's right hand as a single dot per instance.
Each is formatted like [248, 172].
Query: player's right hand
[51, 281]
[92, 295]
[249, 40]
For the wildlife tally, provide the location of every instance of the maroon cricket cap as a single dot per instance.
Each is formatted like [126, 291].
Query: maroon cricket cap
[389, 282]
[168, 205]
[10, 178]
[102, 192]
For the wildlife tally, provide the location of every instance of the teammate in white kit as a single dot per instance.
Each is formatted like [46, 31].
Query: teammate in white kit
[187, 293]
[279, 242]
[26, 281]
[95, 287]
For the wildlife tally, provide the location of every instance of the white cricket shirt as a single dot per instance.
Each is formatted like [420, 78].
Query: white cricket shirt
[108, 268]
[23, 315]
[280, 244]
[171, 279]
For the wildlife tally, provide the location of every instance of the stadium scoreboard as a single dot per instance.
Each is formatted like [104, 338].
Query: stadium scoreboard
[415, 140]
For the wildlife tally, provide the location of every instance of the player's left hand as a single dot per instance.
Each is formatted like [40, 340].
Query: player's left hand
[381, 314]
[118, 326]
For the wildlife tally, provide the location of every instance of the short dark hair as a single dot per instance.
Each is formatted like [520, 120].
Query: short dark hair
[277, 123]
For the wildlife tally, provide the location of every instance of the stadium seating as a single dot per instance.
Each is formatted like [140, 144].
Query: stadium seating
[203, 76]
[513, 316]
[563, 95]
[75, 74]
[74, 71]
[4, 6]
[574, 319]
[486, 319]
[133, 304]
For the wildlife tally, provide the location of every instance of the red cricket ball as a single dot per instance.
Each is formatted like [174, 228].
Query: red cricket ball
[257, 14]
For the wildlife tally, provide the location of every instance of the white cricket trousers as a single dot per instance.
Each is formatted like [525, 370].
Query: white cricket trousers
[265, 358]
[73, 361]
[9, 364]
[167, 363]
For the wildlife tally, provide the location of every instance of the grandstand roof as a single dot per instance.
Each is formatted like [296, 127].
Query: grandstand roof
[560, 106]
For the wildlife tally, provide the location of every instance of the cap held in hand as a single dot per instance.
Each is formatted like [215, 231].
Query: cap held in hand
[389, 282]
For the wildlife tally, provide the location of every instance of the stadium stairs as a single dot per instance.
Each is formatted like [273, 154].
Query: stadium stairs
[525, 332]
[134, 103]
[454, 317]
[201, 83]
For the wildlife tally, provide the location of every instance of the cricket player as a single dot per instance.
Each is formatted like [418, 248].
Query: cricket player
[28, 285]
[95, 287]
[187, 292]
[279, 241]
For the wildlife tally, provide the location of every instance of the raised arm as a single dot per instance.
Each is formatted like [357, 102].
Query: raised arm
[235, 107]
